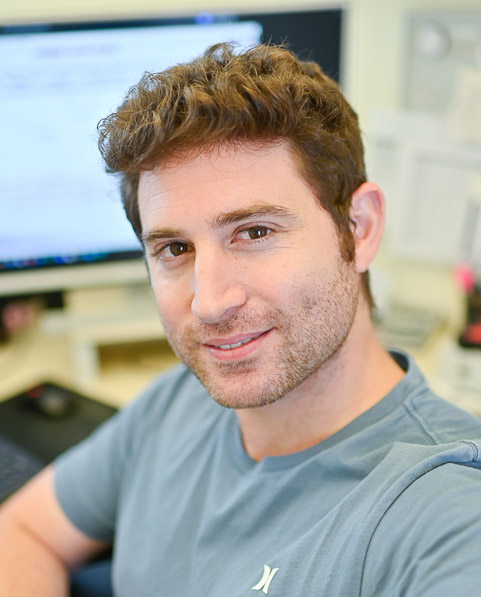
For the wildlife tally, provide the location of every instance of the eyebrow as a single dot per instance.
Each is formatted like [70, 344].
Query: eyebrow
[257, 210]
[158, 234]
[223, 219]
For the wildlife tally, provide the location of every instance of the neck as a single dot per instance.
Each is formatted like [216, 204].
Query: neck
[358, 376]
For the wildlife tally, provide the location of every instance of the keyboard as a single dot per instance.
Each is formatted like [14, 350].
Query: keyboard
[17, 466]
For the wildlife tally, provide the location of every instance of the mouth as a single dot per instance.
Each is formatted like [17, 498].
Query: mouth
[230, 343]
[238, 346]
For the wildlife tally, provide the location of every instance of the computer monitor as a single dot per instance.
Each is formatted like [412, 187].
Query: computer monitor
[61, 223]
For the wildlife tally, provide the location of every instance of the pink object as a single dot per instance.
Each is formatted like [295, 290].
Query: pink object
[464, 277]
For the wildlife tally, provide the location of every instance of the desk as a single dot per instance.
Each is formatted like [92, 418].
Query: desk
[46, 353]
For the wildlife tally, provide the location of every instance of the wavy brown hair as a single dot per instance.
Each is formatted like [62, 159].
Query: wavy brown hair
[264, 94]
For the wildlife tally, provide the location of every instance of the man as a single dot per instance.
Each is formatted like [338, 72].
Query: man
[333, 470]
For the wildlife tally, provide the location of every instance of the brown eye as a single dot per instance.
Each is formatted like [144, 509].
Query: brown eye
[257, 232]
[177, 249]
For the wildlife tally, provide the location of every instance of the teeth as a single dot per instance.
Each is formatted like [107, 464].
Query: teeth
[237, 344]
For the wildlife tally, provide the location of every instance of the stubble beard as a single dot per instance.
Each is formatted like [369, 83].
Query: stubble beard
[309, 337]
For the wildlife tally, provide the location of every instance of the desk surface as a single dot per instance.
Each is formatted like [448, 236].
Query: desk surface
[36, 356]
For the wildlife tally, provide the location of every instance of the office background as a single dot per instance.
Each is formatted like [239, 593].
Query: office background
[375, 36]
[375, 75]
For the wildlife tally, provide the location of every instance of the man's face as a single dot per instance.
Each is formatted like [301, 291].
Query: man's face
[246, 271]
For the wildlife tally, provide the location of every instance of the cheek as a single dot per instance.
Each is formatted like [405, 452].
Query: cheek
[173, 302]
[285, 284]
[299, 270]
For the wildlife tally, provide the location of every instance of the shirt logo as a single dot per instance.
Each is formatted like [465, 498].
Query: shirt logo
[266, 579]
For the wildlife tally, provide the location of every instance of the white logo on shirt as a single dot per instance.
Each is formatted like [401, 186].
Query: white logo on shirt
[266, 579]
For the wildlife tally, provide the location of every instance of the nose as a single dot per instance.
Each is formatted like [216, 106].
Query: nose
[219, 290]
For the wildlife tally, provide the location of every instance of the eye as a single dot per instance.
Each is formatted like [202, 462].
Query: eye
[176, 249]
[255, 232]
[171, 252]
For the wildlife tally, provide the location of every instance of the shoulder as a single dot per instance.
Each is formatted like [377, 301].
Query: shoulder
[443, 421]
[166, 406]
[440, 421]
[172, 409]
[429, 537]
[172, 400]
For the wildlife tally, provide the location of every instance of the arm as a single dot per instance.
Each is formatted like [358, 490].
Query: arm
[38, 544]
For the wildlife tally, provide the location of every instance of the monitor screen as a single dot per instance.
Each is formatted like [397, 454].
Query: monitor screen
[61, 217]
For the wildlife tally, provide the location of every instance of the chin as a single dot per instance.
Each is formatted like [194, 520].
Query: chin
[250, 390]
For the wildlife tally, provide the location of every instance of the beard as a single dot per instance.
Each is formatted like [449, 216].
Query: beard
[305, 336]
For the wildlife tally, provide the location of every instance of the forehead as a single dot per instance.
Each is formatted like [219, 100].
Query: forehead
[226, 171]
[217, 190]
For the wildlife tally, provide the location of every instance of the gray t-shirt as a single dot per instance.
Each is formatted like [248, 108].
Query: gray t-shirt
[388, 506]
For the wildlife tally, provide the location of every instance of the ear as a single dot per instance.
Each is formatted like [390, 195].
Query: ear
[368, 214]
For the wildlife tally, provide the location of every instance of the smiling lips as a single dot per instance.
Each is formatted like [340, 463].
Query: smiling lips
[236, 344]
[230, 344]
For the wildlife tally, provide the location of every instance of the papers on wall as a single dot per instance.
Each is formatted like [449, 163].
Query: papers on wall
[465, 111]
[432, 185]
